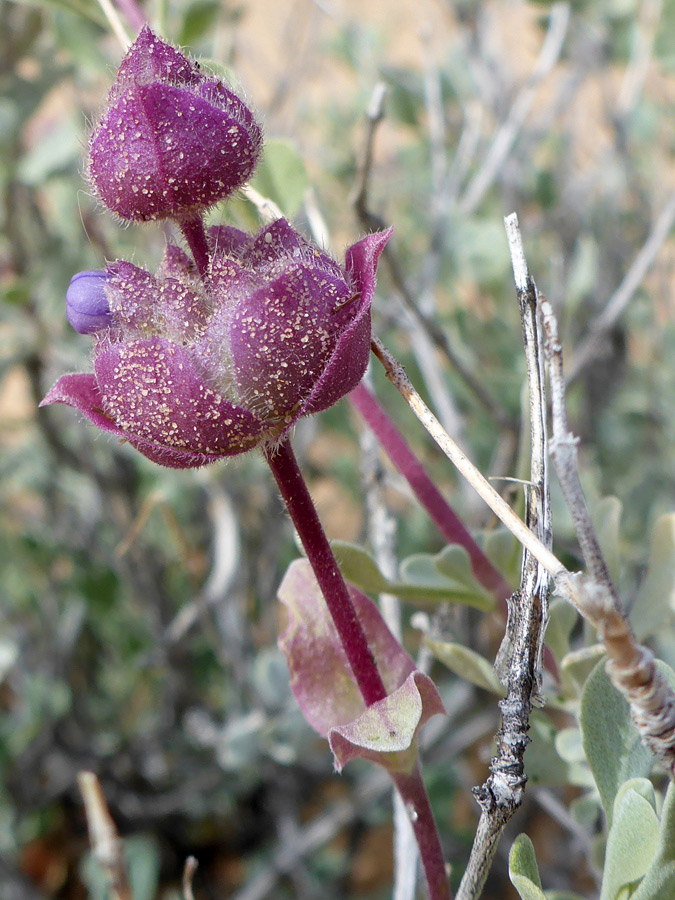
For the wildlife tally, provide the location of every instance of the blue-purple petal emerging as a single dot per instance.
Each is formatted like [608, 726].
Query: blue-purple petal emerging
[87, 307]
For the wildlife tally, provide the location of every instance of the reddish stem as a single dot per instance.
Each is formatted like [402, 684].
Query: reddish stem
[447, 521]
[414, 795]
[293, 489]
[195, 235]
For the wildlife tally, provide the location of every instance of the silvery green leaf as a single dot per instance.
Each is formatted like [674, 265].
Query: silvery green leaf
[659, 880]
[467, 664]
[633, 838]
[523, 869]
[611, 741]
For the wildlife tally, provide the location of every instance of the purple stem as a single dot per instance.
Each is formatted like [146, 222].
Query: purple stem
[447, 521]
[414, 795]
[195, 235]
[133, 13]
[293, 489]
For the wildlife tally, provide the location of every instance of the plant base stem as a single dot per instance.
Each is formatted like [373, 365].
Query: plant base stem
[414, 796]
[299, 503]
[410, 786]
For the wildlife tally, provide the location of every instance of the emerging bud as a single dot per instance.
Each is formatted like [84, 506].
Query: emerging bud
[87, 307]
[193, 370]
[171, 141]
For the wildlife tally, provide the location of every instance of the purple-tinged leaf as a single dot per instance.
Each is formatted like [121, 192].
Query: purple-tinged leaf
[325, 688]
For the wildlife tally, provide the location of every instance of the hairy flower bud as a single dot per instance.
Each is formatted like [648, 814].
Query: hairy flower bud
[87, 307]
[196, 369]
[171, 141]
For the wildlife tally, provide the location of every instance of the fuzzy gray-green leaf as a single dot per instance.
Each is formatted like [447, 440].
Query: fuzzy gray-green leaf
[523, 869]
[633, 838]
[422, 583]
[467, 664]
[611, 741]
[659, 880]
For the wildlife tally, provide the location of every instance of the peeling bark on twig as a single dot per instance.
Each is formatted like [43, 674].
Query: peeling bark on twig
[519, 660]
[631, 666]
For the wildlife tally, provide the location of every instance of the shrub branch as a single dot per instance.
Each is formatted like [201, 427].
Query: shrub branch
[519, 660]
[631, 666]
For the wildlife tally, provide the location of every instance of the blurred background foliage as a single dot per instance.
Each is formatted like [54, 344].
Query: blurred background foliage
[138, 608]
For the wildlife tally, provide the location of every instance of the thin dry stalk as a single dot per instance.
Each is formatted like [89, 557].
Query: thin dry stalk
[115, 22]
[267, 209]
[398, 377]
[103, 837]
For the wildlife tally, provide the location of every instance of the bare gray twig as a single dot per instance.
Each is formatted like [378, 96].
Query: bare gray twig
[188, 874]
[564, 455]
[538, 502]
[519, 661]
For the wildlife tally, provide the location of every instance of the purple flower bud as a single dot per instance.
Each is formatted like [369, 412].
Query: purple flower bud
[87, 307]
[194, 370]
[171, 140]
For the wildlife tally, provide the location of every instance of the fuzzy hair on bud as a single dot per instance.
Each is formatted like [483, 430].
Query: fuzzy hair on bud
[171, 141]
